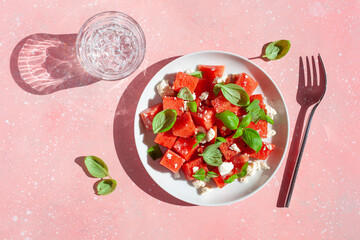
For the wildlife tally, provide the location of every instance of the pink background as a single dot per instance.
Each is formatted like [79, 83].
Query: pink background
[46, 195]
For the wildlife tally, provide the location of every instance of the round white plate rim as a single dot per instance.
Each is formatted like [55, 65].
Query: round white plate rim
[137, 130]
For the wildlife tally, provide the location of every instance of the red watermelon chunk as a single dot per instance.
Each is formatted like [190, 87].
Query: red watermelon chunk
[205, 117]
[148, 115]
[211, 71]
[225, 147]
[220, 104]
[184, 126]
[246, 82]
[261, 127]
[189, 167]
[166, 139]
[239, 161]
[185, 80]
[260, 98]
[220, 179]
[172, 161]
[184, 146]
[174, 103]
[224, 131]
[204, 85]
[264, 152]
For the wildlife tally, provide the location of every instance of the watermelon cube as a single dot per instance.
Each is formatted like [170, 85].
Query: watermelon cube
[260, 98]
[189, 168]
[261, 127]
[172, 161]
[205, 117]
[264, 152]
[220, 104]
[174, 103]
[246, 82]
[211, 71]
[184, 147]
[229, 150]
[148, 115]
[220, 179]
[185, 80]
[239, 161]
[184, 126]
[165, 139]
[224, 131]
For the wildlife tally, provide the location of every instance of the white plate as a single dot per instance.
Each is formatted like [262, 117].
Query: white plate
[236, 191]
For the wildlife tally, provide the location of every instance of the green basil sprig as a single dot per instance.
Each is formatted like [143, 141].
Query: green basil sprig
[229, 119]
[243, 124]
[99, 169]
[257, 113]
[241, 174]
[212, 155]
[200, 136]
[197, 74]
[203, 176]
[192, 106]
[220, 140]
[277, 49]
[185, 94]
[233, 93]
[252, 139]
[164, 120]
[155, 152]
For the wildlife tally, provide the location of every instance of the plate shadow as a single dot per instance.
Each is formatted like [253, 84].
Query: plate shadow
[124, 139]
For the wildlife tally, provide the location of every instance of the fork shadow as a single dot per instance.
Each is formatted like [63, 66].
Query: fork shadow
[124, 139]
[43, 63]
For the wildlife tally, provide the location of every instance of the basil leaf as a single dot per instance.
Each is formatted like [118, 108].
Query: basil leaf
[199, 137]
[220, 139]
[200, 174]
[185, 94]
[155, 152]
[164, 120]
[211, 174]
[106, 186]
[277, 49]
[257, 113]
[241, 174]
[229, 119]
[197, 74]
[192, 106]
[245, 121]
[217, 88]
[96, 167]
[252, 139]
[235, 94]
[212, 155]
[238, 133]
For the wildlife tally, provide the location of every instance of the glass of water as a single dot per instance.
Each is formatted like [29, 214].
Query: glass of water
[110, 45]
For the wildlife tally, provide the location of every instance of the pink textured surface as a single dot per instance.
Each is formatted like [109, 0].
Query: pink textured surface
[46, 195]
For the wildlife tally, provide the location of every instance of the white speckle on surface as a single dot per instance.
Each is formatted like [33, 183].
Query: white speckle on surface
[15, 218]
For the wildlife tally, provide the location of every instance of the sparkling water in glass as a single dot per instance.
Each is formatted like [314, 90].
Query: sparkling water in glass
[110, 45]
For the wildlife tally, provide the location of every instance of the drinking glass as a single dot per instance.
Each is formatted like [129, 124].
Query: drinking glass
[110, 45]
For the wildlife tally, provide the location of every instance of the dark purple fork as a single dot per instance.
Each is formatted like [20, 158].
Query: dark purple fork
[309, 93]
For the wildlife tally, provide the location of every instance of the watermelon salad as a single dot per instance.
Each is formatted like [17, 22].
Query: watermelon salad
[210, 127]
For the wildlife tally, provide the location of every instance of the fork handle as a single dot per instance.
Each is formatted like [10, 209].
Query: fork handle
[298, 160]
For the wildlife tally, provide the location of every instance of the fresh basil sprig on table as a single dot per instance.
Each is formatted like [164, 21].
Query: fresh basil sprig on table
[99, 169]
[164, 120]
[155, 152]
[197, 74]
[212, 155]
[185, 94]
[277, 49]
[233, 93]
[192, 106]
[200, 136]
[257, 113]
[241, 174]
[203, 176]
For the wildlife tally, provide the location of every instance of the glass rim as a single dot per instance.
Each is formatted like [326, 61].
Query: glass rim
[141, 38]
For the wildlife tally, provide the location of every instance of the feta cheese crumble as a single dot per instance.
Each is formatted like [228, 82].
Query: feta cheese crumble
[198, 183]
[164, 88]
[253, 168]
[271, 133]
[225, 168]
[204, 96]
[221, 79]
[177, 175]
[189, 71]
[194, 96]
[209, 135]
[169, 156]
[271, 112]
[195, 169]
[235, 148]
[204, 190]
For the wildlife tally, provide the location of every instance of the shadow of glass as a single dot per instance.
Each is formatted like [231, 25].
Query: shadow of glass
[43, 63]
[124, 138]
